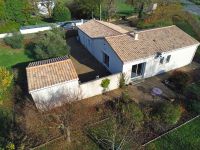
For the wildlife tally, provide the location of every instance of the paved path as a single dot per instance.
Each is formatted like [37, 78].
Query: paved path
[191, 7]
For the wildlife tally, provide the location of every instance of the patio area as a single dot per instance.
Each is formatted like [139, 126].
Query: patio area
[87, 67]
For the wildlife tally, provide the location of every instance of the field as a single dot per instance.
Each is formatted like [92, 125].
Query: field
[186, 137]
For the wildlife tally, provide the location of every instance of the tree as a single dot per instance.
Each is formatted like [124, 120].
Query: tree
[48, 4]
[17, 10]
[61, 13]
[111, 135]
[15, 41]
[5, 81]
[50, 44]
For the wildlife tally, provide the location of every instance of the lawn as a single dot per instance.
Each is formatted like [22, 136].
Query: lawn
[10, 57]
[187, 137]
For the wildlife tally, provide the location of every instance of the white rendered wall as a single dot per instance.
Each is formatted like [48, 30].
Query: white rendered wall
[93, 88]
[68, 89]
[97, 47]
[179, 58]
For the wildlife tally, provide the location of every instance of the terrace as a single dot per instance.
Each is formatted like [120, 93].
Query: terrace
[86, 65]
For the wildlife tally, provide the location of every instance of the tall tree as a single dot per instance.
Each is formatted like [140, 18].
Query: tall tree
[17, 10]
[61, 13]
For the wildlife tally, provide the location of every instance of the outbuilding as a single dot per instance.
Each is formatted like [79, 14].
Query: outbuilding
[49, 80]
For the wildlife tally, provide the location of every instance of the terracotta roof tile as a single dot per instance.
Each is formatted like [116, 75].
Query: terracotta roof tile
[50, 72]
[96, 29]
[150, 42]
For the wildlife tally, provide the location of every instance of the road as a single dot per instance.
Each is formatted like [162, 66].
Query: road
[191, 7]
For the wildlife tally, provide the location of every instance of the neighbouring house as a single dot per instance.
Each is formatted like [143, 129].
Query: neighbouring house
[45, 7]
[138, 54]
[50, 79]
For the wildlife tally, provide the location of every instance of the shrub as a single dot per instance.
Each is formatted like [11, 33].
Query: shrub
[105, 84]
[194, 106]
[180, 79]
[132, 113]
[5, 81]
[9, 26]
[61, 13]
[168, 113]
[122, 81]
[48, 45]
[15, 41]
[192, 91]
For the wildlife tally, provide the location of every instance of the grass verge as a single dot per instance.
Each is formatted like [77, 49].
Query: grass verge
[10, 57]
[186, 137]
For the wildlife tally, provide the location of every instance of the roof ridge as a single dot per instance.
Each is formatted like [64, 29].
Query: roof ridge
[159, 28]
[47, 62]
[122, 34]
[107, 26]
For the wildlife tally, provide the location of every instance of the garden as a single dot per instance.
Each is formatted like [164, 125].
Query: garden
[116, 120]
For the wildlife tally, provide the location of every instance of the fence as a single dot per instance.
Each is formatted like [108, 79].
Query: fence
[93, 88]
[170, 131]
[38, 28]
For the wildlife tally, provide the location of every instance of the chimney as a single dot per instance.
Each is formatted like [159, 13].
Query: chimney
[136, 36]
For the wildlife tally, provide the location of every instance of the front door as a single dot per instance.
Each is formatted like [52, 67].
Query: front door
[137, 70]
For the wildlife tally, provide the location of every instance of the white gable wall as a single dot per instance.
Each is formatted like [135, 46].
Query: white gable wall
[99, 46]
[179, 58]
[49, 94]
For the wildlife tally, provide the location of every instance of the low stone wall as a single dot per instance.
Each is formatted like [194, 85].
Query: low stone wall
[93, 88]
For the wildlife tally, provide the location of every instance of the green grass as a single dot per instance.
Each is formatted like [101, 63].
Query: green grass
[10, 57]
[124, 9]
[185, 138]
[186, 27]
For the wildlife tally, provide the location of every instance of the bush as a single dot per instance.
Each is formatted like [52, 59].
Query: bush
[180, 80]
[168, 113]
[105, 84]
[48, 45]
[132, 113]
[8, 27]
[61, 13]
[5, 81]
[194, 106]
[122, 81]
[192, 91]
[15, 41]
[193, 97]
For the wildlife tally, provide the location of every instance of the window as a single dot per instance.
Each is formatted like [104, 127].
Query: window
[168, 58]
[106, 59]
[162, 60]
[137, 70]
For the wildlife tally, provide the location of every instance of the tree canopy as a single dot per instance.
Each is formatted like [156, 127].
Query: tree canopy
[50, 44]
[61, 13]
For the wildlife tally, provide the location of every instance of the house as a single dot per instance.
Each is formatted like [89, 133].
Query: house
[45, 6]
[49, 79]
[138, 54]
